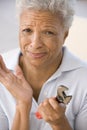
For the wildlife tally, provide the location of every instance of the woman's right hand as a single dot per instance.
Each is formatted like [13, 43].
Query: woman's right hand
[16, 84]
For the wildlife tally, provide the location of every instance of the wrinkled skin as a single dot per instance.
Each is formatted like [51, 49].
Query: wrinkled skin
[41, 37]
[15, 83]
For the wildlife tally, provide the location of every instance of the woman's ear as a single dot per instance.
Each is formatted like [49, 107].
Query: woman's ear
[66, 34]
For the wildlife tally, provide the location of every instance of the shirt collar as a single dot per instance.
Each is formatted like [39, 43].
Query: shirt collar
[69, 62]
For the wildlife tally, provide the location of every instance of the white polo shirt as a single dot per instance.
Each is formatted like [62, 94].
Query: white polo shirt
[72, 73]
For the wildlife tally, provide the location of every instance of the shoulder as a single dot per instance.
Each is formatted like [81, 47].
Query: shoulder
[72, 63]
[74, 70]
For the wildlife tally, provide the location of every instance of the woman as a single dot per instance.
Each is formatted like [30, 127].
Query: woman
[30, 80]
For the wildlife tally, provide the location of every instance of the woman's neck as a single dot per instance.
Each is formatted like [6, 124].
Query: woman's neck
[37, 76]
[39, 73]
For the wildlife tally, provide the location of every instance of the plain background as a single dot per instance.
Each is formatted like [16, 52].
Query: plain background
[76, 41]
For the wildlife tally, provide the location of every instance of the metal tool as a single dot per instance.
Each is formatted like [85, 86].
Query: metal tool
[61, 98]
[61, 95]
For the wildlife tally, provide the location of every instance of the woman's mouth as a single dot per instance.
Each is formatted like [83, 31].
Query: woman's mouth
[37, 55]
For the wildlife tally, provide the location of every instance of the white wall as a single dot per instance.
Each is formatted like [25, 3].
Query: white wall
[77, 40]
[8, 25]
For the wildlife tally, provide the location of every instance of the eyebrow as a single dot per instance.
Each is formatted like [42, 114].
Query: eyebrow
[48, 26]
[26, 25]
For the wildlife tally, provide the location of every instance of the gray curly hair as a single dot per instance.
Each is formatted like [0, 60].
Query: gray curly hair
[63, 7]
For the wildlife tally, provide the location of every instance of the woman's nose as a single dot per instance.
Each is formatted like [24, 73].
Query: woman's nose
[36, 41]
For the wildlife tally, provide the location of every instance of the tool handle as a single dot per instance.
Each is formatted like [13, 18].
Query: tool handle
[38, 115]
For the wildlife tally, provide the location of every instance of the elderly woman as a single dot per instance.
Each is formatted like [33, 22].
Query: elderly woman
[30, 80]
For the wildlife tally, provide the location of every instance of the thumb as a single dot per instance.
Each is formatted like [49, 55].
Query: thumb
[19, 72]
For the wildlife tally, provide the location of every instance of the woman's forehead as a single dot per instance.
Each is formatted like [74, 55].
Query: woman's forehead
[44, 17]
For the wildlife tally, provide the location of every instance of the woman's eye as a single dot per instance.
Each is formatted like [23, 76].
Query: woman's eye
[50, 33]
[27, 30]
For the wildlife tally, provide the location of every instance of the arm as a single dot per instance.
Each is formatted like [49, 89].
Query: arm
[21, 90]
[21, 119]
[64, 125]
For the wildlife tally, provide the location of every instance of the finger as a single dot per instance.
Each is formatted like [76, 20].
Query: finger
[46, 106]
[46, 110]
[2, 64]
[6, 78]
[19, 72]
[56, 106]
[1, 76]
[2, 73]
[54, 103]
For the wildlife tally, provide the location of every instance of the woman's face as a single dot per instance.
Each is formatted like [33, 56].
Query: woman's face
[41, 37]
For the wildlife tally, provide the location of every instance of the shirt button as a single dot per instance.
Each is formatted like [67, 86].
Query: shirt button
[45, 93]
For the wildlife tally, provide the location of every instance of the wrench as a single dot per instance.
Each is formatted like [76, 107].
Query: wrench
[61, 98]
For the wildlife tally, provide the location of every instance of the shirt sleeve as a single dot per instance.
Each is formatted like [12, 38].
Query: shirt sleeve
[3, 120]
[81, 118]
